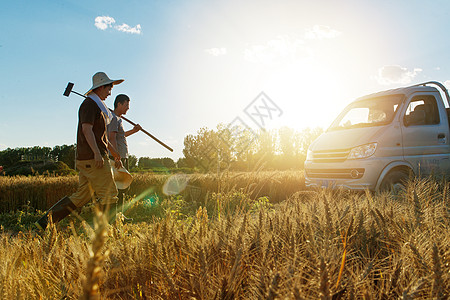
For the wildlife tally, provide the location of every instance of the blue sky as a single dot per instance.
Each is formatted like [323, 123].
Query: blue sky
[193, 64]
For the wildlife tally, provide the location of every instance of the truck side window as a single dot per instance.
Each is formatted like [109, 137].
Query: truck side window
[422, 110]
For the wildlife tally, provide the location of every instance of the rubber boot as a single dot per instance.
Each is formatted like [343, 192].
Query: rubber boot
[59, 211]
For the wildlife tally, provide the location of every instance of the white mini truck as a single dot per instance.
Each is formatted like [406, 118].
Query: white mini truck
[378, 140]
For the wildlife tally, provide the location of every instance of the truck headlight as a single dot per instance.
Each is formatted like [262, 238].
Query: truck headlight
[309, 155]
[363, 151]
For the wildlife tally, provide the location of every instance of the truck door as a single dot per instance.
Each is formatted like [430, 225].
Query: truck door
[425, 134]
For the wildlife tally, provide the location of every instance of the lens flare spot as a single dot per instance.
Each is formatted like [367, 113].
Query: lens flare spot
[175, 184]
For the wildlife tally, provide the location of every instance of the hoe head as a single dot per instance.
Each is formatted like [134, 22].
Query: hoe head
[68, 89]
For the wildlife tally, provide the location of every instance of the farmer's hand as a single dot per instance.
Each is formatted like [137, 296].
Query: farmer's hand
[137, 127]
[118, 164]
[98, 160]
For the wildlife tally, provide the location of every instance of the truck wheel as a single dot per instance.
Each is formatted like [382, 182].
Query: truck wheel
[394, 182]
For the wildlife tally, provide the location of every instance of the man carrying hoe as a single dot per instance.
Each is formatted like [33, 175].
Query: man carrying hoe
[92, 154]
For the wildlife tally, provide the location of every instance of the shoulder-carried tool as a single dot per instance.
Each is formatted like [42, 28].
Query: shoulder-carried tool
[69, 90]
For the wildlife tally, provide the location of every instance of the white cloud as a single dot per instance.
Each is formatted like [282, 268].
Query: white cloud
[282, 48]
[320, 32]
[105, 22]
[216, 51]
[128, 29]
[396, 74]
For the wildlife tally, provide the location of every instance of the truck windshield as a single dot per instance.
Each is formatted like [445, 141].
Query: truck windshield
[368, 112]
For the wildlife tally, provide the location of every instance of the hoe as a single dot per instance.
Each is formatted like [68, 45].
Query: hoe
[69, 90]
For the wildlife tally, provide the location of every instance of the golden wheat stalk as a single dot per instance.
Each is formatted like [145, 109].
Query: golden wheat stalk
[437, 274]
[325, 293]
[344, 254]
[94, 266]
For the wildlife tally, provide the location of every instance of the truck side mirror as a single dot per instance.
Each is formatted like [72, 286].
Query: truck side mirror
[417, 117]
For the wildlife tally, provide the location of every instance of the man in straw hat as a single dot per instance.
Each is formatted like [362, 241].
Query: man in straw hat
[92, 154]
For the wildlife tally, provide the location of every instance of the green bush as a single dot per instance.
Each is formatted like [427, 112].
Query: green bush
[39, 167]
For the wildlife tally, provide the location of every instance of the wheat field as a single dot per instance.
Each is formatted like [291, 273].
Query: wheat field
[41, 192]
[228, 244]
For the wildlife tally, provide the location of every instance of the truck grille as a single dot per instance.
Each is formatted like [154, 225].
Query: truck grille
[330, 156]
[335, 173]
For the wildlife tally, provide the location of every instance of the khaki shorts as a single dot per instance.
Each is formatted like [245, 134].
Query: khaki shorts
[92, 179]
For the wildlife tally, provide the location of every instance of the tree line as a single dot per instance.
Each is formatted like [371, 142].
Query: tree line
[243, 149]
[233, 148]
[64, 153]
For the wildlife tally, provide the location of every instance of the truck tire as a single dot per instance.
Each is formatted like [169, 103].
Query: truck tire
[394, 182]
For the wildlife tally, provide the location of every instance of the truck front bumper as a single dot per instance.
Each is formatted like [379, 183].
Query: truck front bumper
[356, 175]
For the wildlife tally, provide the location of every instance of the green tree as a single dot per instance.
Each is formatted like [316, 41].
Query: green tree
[144, 162]
[168, 162]
[200, 150]
[10, 156]
[241, 149]
[264, 153]
[286, 140]
[132, 161]
[306, 137]
[149, 163]
[181, 163]
[65, 154]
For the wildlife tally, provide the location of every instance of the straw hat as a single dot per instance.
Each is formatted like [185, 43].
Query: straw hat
[121, 176]
[99, 79]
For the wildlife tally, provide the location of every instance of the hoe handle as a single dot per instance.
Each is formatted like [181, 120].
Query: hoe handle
[69, 90]
[149, 134]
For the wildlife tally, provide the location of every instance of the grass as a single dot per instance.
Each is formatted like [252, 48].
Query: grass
[229, 244]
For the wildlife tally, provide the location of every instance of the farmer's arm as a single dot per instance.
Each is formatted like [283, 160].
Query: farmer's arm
[112, 138]
[90, 138]
[112, 147]
[135, 129]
